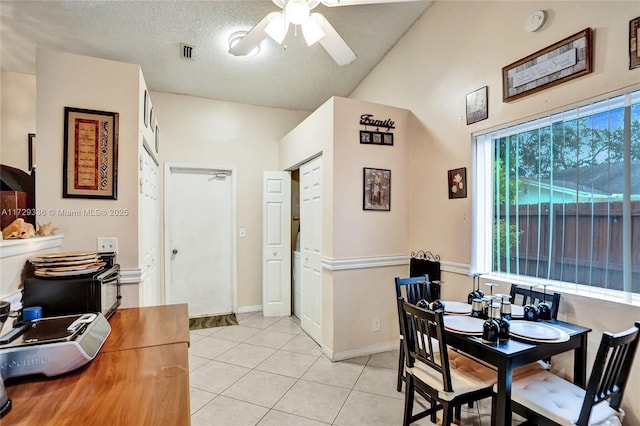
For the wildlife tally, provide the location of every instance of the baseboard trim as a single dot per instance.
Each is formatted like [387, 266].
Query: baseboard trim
[354, 353]
[248, 309]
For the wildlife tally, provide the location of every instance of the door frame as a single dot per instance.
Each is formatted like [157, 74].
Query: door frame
[159, 295]
[169, 168]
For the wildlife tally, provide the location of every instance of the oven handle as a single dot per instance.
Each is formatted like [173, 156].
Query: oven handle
[113, 270]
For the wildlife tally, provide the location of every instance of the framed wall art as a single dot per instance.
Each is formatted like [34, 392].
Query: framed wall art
[634, 43]
[376, 192]
[376, 138]
[560, 62]
[90, 154]
[457, 183]
[477, 105]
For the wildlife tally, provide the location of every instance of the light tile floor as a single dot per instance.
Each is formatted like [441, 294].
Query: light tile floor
[267, 371]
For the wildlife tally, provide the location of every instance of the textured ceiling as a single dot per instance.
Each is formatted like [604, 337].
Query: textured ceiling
[149, 33]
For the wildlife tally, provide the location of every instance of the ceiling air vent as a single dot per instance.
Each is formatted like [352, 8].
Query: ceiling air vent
[186, 51]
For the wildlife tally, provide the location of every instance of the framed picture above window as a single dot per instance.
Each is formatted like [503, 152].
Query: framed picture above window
[562, 61]
[90, 154]
[634, 43]
[376, 191]
[477, 105]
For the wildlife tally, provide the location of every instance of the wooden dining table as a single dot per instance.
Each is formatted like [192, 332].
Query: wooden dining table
[512, 353]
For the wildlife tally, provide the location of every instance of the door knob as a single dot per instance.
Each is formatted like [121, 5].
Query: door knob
[175, 251]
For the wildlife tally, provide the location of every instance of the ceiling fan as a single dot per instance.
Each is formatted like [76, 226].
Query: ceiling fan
[315, 27]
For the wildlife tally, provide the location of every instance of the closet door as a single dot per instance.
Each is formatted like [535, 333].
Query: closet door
[311, 248]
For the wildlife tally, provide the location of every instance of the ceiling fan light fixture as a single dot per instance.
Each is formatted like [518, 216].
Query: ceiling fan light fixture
[277, 27]
[236, 37]
[311, 29]
[297, 11]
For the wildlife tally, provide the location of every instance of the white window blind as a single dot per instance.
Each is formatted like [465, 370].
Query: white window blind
[557, 198]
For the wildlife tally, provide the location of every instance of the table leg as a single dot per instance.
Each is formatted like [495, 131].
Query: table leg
[580, 363]
[502, 416]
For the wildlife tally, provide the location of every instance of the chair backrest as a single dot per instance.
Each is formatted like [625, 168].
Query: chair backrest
[522, 296]
[424, 339]
[414, 288]
[610, 370]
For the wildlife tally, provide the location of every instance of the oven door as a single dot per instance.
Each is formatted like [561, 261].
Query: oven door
[109, 290]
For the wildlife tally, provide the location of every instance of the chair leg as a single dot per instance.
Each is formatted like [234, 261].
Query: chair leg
[400, 368]
[458, 412]
[494, 403]
[434, 414]
[408, 400]
[447, 414]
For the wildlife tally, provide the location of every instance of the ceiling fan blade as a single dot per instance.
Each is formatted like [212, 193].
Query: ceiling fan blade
[333, 3]
[253, 38]
[333, 43]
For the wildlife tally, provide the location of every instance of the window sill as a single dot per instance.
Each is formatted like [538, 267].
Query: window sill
[609, 295]
[10, 248]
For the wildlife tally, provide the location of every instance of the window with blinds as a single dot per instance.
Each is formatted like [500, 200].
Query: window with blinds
[558, 198]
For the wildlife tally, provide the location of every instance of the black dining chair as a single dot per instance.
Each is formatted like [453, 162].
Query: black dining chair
[448, 378]
[524, 295]
[546, 399]
[412, 290]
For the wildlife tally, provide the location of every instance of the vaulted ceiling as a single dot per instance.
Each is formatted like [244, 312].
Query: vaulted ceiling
[150, 33]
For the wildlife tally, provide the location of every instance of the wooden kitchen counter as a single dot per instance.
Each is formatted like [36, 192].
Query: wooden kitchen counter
[152, 326]
[145, 383]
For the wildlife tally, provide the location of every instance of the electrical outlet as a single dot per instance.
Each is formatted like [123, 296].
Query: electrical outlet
[243, 232]
[376, 324]
[107, 244]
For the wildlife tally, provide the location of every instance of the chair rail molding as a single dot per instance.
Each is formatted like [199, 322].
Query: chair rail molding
[384, 261]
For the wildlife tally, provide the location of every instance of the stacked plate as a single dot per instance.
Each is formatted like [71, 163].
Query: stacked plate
[537, 332]
[456, 308]
[66, 264]
[463, 324]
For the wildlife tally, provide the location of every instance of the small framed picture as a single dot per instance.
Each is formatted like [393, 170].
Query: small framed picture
[477, 105]
[387, 139]
[377, 138]
[457, 183]
[376, 191]
[365, 137]
[634, 43]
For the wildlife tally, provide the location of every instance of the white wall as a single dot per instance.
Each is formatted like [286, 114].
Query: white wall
[204, 131]
[83, 82]
[17, 117]
[458, 47]
[353, 294]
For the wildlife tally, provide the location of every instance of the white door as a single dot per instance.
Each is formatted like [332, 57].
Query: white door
[276, 244]
[199, 244]
[311, 247]
[150, 289]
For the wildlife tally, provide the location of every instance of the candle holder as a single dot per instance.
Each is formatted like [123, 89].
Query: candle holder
[505, 306]
[531, 311]
[475, 293]
[502, 313]
[491, 327]
[477, 311]
[544, 307]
